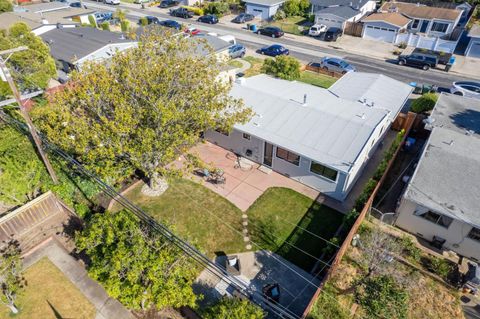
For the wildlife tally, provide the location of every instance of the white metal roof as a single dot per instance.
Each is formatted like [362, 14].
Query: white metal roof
[328, 129]
[371, 88]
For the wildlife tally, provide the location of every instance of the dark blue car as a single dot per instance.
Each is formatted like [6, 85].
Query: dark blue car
[275, 50]
[209, 18]
[170, 24]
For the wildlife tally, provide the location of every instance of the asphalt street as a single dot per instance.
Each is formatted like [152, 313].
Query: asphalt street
[305, 51]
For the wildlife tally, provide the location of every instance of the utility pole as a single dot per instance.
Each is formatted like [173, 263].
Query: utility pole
[6, 76]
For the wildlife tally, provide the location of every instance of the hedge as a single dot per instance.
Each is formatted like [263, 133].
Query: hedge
[195, 10]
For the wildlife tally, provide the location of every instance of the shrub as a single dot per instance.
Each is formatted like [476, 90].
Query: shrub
[143, 21]
[93, 22]
[233, 308]
[424, 103]
[105, 26]
[439, 266]
[124, 25]
[350, 218]
[367, 191]
[283, 66]
[6, 6]
[327, 307]
[330, 248]
[410, 249]
[218, 8]
[402, 45]
[195, 10]
[295, 7]
[279, 15]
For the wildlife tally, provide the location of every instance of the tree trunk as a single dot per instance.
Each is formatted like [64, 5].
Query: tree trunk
[156, 185]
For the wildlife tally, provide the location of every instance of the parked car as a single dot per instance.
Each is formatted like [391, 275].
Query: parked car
[273, 32]
[181, 13]
[168, 3]
[316, 30]
[243, 17]
[114, 2]
[237, 51]
[192, 30]
[103, 16]
[275, 50]
[332, 34]
[466, 88]
[170, 24]
[423, 61]
[209, 18]
[152, 20]
[77, 4]
[336, 65]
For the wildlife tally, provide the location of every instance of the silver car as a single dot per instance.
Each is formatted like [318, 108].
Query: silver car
[466, 88]
[336, 65]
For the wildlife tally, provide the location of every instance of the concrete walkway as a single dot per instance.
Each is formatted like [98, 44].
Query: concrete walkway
[106, 307]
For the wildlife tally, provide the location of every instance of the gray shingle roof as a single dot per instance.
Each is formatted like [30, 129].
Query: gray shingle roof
[383, 91]
[342, 11]
[328, 129]
[215, 43]
[71, 44]
[43, 7]
[331, 3]
[267, 3]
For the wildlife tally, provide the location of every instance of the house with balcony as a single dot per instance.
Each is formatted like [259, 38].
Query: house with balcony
[440, 203]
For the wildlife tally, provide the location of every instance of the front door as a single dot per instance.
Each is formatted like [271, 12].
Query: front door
[267, 154]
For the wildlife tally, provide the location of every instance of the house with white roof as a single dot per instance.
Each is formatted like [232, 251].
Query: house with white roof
[321, 138]
[440, 203]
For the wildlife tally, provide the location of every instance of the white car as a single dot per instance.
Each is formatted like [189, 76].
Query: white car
[316, 30]
[112, 2]
[466, 88]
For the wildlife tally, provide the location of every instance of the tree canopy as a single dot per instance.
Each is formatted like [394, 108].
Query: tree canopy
[142, 109]
[295, 7]
[424, 103]
[11, 280]
[5, 6]
[32, 68]
[136, 266]
[283, 66]
[234, 308]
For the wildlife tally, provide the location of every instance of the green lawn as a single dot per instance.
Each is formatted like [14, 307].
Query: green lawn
[235, 63]
[49, 294]
[292, 25]
[256, 66]
[193, 211]
[317, 79]
[272, 219]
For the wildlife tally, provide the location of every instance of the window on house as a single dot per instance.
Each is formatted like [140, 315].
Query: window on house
[324, 171]
[222, 132]
[439, 27]
[436, 218]
[246, 136]
[288, 156]
[415, 24]
[474, 234]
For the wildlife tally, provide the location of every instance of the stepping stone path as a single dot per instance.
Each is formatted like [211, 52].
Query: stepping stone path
[246, 238]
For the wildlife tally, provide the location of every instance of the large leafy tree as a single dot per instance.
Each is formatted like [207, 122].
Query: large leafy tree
[11, 279]
[234, 308]
[142, 108]
[31, 68]
[136, 266]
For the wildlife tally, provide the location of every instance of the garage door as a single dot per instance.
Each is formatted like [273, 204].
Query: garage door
[379, 34]
[474, 51]
[257, 11]
[329, 22]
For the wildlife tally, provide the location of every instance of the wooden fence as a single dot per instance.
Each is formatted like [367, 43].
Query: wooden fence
[407, 125]
[353, 28]
[318, 69]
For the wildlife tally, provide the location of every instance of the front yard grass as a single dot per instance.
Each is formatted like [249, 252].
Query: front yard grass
[317, 79]
[256, 66]
[293, 25]
[49, 294]
[235, 63]
[275, 214]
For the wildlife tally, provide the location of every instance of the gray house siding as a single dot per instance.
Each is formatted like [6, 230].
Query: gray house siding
[262, 11]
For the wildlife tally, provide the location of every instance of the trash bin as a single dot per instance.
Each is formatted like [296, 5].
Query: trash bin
[450, 63]
[253, 27]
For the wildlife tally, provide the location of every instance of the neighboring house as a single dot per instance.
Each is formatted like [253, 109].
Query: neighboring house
[263, 9]
[207, 44]
[441, 199]
[42, 7]
[473, 48]
[335, 13]
[44, 22]
[384, 26]
[311, 134]
[73, 47]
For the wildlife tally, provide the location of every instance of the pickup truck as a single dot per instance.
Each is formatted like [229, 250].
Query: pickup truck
[181, 13]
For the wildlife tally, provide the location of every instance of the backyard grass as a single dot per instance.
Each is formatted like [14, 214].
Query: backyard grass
[49, 294]
[275, 214]
[235, 63]
[317, 79]
[293, 25]
[256, 66]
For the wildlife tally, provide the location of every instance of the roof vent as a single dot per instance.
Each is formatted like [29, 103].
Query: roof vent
[304, 100]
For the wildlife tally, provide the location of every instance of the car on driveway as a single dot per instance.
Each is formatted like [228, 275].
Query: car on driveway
[209, 18]
[336, 65]
[316, 30]
[273, 32]
[422, 61]
[181, 13]
[275, 50]
[466, 88]
[243, 17]
[170, 24]
[114, 2]
[237, 51]
[168, 3]
[332, 34]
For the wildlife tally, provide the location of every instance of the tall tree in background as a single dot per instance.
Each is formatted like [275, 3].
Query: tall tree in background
[32, 68]
[137, 267]
[11, 280]
[142, 109]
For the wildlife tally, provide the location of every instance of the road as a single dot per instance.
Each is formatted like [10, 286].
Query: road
[306, 52]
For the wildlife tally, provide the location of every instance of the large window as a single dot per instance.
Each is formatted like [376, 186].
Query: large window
[438, 219]
[246, 136]
[439, 27]
[474, 234]
[288, 156]
[324, 171]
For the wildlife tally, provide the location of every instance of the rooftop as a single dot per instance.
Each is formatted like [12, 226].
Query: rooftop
[328, 129]
[393, 18]
[376, 90]
[43, 7]
[413, 10]
[474, 31]
[265, 2]
[337, 3]
[341, 11]
[215, 43]
[447, 178]
[72, 44]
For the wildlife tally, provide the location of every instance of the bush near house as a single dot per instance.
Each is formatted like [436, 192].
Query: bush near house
[124, 25]
[284, 67]
[234, 308]
[93, 22]
[217, 8]
[105, 26]
[424, 103]
[6, 6]
[197, 11]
